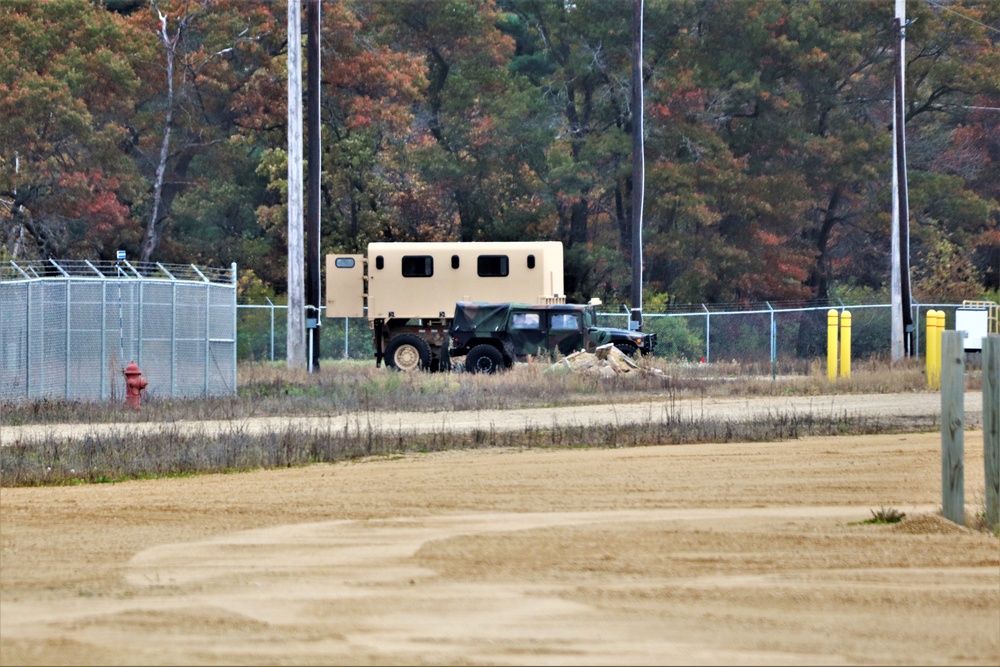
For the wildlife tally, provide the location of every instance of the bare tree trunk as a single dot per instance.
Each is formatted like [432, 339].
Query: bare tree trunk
[151, 239]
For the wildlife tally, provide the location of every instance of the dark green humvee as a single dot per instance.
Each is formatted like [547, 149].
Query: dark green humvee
[492, 336]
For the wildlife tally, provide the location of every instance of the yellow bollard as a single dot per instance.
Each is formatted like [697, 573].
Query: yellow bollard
[938, 330]
[845, 344]
[831, 345]
[933, 358]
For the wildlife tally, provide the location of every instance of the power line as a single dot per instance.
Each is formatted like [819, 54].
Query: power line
[938, 5]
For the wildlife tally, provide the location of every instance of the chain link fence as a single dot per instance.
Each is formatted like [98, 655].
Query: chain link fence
[68, 328]
[696, 333]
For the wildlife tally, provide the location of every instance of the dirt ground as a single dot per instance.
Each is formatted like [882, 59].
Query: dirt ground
[700, 554]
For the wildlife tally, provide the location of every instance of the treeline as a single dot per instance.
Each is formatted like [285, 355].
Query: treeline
[159, 126]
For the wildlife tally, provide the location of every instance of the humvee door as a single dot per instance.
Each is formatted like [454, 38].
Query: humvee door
[566, 332]
[527, 333]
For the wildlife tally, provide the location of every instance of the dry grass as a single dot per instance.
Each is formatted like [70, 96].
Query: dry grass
[352, 386]
[130, 455]
[359, 388]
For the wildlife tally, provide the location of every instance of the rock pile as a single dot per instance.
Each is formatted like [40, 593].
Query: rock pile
[606, 361]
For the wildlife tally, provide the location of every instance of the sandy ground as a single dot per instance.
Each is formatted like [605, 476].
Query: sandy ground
[701, 554]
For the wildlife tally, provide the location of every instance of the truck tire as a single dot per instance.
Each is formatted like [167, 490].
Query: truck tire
[484, 358]
[444, 357]
[408, 353]
[627, 349]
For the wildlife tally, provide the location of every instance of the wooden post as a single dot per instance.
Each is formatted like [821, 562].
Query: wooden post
[991, 426]
[638, 166]
[295, 350]
[952, 434]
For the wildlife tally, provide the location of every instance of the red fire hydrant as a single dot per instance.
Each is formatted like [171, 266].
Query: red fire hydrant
[135, 384]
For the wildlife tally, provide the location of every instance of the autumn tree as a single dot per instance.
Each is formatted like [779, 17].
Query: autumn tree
[578, 56]
[67, 86]
[480, 134]
[954, 148]
[200, 88]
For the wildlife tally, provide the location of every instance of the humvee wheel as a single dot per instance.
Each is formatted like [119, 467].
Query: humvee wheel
[626, 349]
[484, 359]
[408, 352]
[444, 358]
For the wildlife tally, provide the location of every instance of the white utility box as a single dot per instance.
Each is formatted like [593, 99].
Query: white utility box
[974, 325]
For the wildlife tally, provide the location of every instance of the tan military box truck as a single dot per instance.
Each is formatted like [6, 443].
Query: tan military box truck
[408, 291]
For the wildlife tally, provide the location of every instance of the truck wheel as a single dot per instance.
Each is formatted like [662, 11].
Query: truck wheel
[484, 359]
[626, 349]
[444, 357]
[408, 352]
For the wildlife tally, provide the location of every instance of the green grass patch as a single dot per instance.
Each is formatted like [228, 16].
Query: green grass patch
[884, 515]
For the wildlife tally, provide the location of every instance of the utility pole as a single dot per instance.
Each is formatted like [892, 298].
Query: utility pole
[295, 348]
[902, 317]
[638, 167]
[313, 284]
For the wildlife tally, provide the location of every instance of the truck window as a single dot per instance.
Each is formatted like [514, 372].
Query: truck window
[526, 321]
[344, 262]
[493, 266]
[418, 266]
[565, 322]
[531, 261]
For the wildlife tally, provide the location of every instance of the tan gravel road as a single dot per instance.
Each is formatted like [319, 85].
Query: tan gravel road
[888, 406]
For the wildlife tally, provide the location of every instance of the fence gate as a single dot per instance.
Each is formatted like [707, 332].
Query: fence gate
[68, 328]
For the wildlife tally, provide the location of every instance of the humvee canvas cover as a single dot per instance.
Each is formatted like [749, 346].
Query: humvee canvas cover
[494, 335]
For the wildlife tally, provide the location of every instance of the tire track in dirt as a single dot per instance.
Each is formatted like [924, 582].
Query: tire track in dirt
[349, 588]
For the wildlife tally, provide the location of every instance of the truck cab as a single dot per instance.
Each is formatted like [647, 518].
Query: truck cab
[492, 336]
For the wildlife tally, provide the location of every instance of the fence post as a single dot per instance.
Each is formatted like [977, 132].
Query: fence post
[236, 337]
[104, 340]
[208, 331]
[42, 385]
[991, 426]
[138, 340]
[27, 341]
[173, 339]
[952, 434]
[831, 345]
[270, 303]
[69, 337]
[708, 335]
[774, 346]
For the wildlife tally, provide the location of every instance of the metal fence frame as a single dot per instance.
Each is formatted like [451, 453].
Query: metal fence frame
[719, 329]
[69, 327]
